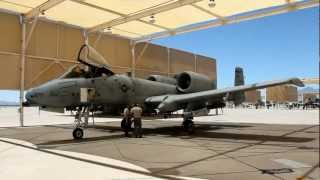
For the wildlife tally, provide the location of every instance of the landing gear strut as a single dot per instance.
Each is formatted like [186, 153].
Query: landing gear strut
[79, 124]
[187, 123]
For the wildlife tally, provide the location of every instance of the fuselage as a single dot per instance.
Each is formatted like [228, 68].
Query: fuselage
[112, 90]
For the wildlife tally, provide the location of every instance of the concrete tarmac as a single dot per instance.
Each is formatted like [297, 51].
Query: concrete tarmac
[240, 144]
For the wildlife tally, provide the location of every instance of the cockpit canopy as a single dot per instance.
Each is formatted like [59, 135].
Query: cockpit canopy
[92, 65]
[89, 56]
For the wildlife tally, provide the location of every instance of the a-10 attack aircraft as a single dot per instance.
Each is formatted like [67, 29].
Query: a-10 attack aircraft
[92, 86]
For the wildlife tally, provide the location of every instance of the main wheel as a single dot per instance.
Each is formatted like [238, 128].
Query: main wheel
[77, 133]
[123, 124]
[188, 126]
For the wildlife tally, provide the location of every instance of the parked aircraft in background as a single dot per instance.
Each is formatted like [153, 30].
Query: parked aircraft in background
[92, 85]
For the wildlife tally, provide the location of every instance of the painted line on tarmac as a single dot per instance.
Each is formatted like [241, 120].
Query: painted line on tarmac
[291, 163]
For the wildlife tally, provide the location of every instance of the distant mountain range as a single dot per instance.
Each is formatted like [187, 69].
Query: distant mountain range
[8, 103]
[308, 90]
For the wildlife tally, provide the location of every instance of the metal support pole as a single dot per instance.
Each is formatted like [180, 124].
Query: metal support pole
[58, 41]
[22, 66]
[195, 62]
[85, 37]
[168, 62]
[143, 50]
[34, 23]
[133, 58]
[97, 40]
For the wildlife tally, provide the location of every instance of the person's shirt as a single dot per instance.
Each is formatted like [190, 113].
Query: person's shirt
[136, 112]
[126, 112]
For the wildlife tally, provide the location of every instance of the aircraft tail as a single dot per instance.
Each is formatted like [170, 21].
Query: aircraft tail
[238, 97]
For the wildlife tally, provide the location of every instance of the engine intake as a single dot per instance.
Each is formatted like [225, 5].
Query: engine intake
[189, 82]
[162, 79]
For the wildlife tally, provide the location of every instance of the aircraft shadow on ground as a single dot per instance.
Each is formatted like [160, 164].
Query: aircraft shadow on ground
[202, 131]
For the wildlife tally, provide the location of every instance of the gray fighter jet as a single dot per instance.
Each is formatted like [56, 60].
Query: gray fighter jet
[92, 86]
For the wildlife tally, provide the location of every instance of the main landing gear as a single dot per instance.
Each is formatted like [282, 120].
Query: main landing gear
[80, 125]
[187, 123]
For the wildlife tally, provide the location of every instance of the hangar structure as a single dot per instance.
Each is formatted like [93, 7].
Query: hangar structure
[40, 38]
[252, 96]
[282, 94]
[289, 93]
[310, 80]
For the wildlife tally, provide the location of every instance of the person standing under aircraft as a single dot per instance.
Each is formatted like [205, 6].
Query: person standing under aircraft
[136, 112]
[126, 122]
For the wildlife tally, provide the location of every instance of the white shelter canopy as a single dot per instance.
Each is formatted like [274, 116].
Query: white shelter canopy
[142, 20]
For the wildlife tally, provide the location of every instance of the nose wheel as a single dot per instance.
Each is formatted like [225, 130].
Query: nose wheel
[77, 133]
[79, 124]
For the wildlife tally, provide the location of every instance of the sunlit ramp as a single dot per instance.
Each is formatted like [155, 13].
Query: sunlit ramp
[146, 20]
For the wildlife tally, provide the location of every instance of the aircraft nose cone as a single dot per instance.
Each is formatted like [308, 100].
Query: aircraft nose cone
[29, 96]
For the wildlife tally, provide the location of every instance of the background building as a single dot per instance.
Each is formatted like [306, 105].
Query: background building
[284, 93]
[308, 92]
[252, 96]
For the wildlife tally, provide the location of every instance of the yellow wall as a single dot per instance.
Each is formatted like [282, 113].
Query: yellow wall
[54, 47]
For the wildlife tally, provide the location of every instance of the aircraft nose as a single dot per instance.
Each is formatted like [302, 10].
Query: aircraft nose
[29, 96]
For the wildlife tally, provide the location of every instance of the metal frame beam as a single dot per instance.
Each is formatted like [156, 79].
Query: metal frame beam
[117, 13]
[42, 8]
[221, 18]
[146, 45]
[40, 58]
[45, 69]
[133, 59]
[142, 14]
[49, 59]
[34, 23]
[233, 19]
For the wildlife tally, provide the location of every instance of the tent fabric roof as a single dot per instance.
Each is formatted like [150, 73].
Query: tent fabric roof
[149, 19]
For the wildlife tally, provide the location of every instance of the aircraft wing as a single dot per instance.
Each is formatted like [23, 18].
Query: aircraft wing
[169, 102]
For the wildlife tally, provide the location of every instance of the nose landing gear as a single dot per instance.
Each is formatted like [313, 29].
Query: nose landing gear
[79, 124]
[77, 133]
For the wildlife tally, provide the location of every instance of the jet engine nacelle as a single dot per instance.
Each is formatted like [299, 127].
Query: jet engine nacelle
[162, 79]
[189, 82]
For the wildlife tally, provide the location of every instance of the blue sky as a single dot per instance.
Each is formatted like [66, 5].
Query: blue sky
[274, 47]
